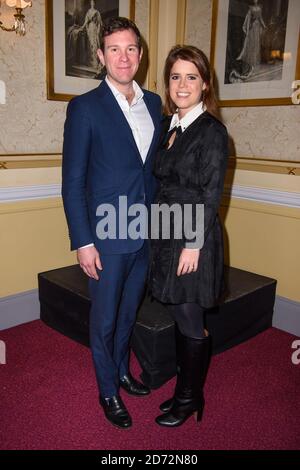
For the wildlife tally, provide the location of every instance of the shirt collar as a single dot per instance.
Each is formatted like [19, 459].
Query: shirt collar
[188, 119]
[138, 92]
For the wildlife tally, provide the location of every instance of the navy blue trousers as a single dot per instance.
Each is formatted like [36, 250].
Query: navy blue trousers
[114, 302]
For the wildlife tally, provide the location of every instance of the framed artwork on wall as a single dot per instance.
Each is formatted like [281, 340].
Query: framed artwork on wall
[72, 39]
[255, 51]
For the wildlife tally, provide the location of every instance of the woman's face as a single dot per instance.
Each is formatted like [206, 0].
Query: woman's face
[185, 86]
[92, 3]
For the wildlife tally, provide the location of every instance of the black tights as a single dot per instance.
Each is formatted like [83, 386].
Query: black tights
[189, 318]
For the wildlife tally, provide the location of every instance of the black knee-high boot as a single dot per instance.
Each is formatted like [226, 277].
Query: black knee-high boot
[167, 405]
[193, 361]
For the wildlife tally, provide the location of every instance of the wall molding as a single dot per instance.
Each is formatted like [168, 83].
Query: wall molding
[249, 193]
[263, 195]
[153, 45]
[262, 164]
[34, 160]
[181, 21]
[27, 193]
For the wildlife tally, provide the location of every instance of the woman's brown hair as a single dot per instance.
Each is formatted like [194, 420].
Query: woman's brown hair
[199, 59]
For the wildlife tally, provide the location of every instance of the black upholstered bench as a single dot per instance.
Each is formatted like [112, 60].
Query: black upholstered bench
[246, 311]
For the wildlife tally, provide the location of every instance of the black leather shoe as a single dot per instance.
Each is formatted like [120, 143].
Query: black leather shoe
[133, 387]
[116, 412]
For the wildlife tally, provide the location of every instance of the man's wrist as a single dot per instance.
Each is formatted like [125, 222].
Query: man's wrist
[86, 246]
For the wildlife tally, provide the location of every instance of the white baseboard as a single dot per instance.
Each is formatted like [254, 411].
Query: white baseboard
[24, 307]
[287, 315]
[19, 308]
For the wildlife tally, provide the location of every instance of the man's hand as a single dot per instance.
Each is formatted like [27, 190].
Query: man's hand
[89, 259]
[188, 261]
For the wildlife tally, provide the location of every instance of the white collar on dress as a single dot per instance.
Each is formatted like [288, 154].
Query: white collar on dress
[188, 119]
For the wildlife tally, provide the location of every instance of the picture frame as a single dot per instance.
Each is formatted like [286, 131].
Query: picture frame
[72, 38]
[255, 51]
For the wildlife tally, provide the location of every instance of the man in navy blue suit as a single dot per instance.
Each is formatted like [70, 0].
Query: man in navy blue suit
[110, 138]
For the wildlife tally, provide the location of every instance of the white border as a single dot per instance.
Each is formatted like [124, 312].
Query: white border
[256, 90]
[62, 83]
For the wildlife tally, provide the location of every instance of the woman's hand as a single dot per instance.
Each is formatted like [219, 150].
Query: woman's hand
[188, 261]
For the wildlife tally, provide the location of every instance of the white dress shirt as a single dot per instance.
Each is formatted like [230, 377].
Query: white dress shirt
[138, 118]
[188, 119]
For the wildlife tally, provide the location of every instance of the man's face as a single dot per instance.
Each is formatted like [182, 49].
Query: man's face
[121, 57]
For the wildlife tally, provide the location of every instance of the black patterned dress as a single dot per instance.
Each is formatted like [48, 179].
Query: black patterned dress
[191, 171]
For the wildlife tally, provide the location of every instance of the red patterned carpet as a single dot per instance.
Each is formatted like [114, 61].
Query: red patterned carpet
[48, 398]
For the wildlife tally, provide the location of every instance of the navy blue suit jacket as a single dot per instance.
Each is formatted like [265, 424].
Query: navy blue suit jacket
[101, 162]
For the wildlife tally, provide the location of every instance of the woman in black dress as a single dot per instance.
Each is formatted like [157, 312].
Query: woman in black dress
[190, 167]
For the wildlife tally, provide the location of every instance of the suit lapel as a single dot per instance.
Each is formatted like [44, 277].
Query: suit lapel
[156, 123]
[112, 107]
[118, 117]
